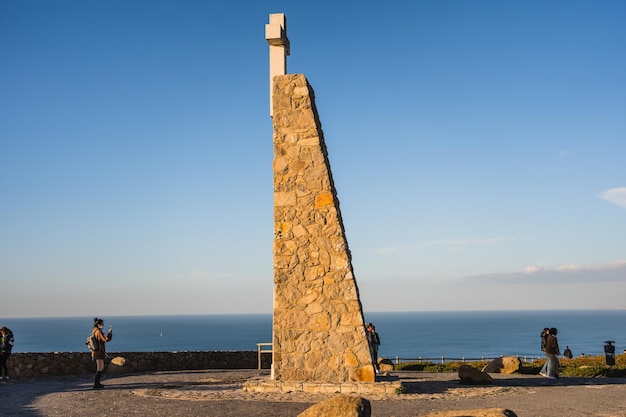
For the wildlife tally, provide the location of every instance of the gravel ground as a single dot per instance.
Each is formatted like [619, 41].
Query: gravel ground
[219, 393]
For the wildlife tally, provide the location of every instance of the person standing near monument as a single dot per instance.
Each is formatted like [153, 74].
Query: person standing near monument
[6, 345]
[374, 341]
[552, 351]
[544, 342]
[100, 353]
[568, 352]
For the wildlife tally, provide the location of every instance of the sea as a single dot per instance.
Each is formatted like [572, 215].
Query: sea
[469, 335]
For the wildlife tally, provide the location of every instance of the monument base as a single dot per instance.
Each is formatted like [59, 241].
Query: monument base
[361, 388]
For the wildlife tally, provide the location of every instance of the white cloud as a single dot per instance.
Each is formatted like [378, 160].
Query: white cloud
[473, 242]
[569, 267]
[571, 273]
[452, 243]
[615, 196]
[196, 275]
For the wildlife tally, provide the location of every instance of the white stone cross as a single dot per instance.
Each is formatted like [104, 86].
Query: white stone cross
[276, 36]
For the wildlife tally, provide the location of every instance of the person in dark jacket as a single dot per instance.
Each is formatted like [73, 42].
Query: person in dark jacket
[6, 346]
[552, 351]
[100, 353]
[568, 353]
[373, 341]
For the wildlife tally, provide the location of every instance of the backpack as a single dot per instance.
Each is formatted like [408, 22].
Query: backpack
[544, 341]
[92, 342]
[6, 342]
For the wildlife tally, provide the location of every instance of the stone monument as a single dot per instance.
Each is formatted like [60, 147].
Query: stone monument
[318, 326]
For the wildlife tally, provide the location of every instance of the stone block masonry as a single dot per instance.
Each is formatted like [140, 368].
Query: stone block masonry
[319, 332]
[27, 365]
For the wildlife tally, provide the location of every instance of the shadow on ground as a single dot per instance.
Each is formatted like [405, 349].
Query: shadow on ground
[414, 383]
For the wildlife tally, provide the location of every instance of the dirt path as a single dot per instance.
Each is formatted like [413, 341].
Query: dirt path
[219, 393]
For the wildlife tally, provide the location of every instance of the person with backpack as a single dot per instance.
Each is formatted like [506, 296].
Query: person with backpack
[544, 342]
[98, 352]
[6, 346]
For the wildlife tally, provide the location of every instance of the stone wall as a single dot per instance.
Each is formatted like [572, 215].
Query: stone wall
[319, 333]
[24, 365]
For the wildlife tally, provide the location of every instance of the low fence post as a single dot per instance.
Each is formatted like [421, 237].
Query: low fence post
[259, 347]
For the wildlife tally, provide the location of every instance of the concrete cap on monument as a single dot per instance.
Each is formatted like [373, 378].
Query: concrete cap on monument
[276, 36]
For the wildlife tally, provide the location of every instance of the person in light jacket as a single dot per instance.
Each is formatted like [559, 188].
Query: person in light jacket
[100, 353]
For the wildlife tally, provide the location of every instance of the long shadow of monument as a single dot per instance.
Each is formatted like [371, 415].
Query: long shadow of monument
[421, 384]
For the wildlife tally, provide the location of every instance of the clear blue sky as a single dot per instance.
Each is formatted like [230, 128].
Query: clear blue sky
[478, 149]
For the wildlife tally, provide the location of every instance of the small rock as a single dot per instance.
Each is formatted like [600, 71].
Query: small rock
[118, 360]
[116, 365]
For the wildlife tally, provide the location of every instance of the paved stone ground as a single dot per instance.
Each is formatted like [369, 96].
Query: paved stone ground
[219, 393]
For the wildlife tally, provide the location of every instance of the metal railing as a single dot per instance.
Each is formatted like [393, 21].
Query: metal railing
[443, 359]
[261, 348]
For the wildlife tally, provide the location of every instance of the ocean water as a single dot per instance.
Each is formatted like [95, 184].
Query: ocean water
[408, 335]
[473, 335]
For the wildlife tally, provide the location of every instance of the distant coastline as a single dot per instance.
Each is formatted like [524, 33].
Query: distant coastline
[113, 316]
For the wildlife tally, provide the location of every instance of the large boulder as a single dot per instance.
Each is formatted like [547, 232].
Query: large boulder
[472, 376]
[504, 365]
[340, 406]
[486, 412]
